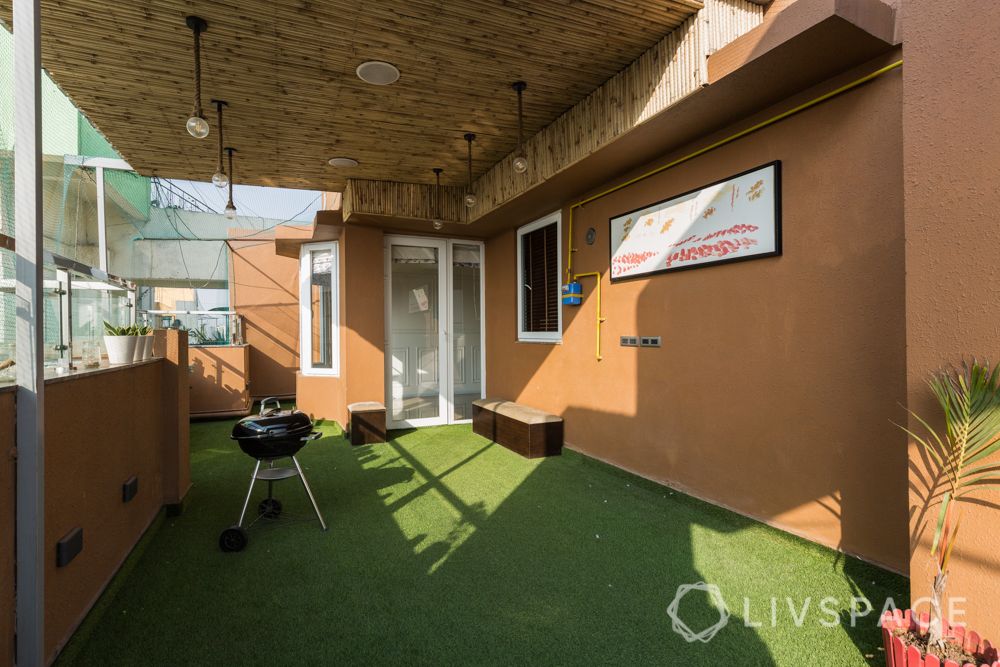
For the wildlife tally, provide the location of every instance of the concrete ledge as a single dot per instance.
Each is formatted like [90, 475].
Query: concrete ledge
[836, 34]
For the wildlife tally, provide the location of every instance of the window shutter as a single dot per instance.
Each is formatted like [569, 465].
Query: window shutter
[540, 280]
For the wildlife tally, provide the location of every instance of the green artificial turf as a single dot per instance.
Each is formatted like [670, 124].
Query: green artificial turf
[444, 549]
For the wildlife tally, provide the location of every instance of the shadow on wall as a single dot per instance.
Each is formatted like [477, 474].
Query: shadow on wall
[264, 290]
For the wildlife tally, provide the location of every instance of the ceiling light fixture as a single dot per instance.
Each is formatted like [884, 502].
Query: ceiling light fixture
[197, 126]
[470, 196]
[230, 206]
[437, 221]
[520, 161]
[378, 72]
[345, 162]
[219, 178]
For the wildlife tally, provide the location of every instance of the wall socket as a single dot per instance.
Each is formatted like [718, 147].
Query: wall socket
[640, 341]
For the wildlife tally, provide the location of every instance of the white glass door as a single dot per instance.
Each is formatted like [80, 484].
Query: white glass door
[415, 337]
[434, 330]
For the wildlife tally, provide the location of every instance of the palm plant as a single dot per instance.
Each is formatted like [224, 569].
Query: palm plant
[970, 399]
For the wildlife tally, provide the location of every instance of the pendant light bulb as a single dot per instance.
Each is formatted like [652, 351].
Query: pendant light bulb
[220, 180]
[437, 224]
[470, 199]
[520, 164]
[230, 211]
[197, 127]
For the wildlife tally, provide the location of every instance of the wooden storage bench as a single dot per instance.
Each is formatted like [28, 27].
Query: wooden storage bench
[366, 423]
[529, 432]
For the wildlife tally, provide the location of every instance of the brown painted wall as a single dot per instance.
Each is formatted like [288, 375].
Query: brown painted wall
[951, 171]
[362, 331]
[264, 288]
[7, 494]
[773, 390]
[363, 249]
[85, 467]
[84, 472]
[219, 380]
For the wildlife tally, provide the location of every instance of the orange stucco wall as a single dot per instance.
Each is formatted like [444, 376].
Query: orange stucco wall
[7, 474]
[773, 390]
[362, 331]
[951, 170]
[364, 301]
[264, 288]
[220, 382]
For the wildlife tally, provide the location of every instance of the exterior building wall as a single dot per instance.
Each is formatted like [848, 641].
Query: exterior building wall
[777, 378]
[264, 288]
[951, 171]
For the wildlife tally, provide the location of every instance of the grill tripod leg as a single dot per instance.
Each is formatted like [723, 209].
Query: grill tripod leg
[253, 478]
[309, 492]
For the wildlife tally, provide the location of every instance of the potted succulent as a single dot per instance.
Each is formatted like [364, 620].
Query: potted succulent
[144, 344]
[960, 457]
[120, 343]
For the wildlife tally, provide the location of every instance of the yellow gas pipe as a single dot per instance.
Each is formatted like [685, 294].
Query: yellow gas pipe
[701, 151]
[600, 319]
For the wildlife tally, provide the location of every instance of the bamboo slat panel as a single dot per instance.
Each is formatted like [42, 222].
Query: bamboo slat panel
[403, 200]
[287, 70]
[660, 77]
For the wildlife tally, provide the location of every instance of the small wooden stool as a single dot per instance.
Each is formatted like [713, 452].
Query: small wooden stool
[366, 422]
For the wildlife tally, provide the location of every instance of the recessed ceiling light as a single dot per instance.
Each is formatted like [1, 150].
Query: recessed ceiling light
[378, 73]
[343, 162]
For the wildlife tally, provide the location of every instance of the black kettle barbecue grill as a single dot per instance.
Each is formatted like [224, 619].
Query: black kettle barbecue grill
[272, 434]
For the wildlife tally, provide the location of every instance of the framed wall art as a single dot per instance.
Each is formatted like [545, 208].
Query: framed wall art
[735, 219]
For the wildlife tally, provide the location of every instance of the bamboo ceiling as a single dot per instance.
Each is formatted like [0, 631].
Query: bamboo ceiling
[287, 71]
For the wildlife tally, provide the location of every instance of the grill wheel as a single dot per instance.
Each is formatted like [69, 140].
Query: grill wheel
[269, 508]
[233, 539]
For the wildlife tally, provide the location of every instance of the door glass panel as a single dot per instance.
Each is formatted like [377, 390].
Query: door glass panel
[413, 333]
[467, 310]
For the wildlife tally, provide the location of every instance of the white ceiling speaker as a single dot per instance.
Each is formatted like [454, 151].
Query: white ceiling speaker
[343, 162]
[378, 72]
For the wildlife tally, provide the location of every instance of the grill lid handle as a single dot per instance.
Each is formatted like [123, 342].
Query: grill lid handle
[264, 403]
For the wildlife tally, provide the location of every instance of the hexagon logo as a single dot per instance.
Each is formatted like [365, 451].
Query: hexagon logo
[681, 628]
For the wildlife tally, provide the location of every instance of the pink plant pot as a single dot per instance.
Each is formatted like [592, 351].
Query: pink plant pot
[898, 654]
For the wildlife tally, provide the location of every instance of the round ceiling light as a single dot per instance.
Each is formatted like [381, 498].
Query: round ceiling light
[343, 162]
[378, 73]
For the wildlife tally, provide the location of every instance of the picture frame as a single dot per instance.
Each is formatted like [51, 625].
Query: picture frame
[734, 219]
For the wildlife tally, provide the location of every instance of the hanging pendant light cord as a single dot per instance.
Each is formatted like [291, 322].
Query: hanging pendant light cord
[437, 192]
[469, 138]
[197, 72]
[219, 105]
[520, 121]
[230, 202]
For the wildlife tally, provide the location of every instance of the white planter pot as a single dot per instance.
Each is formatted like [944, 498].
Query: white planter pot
[121, 349]
[148, 349]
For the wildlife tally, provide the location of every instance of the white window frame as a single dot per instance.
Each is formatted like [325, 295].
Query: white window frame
[305, 309]
[539, 336]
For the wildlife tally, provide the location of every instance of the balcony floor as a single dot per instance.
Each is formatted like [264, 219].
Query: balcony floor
[446, 549]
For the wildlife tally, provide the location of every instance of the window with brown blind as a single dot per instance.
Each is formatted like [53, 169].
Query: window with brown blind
[538, 268]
